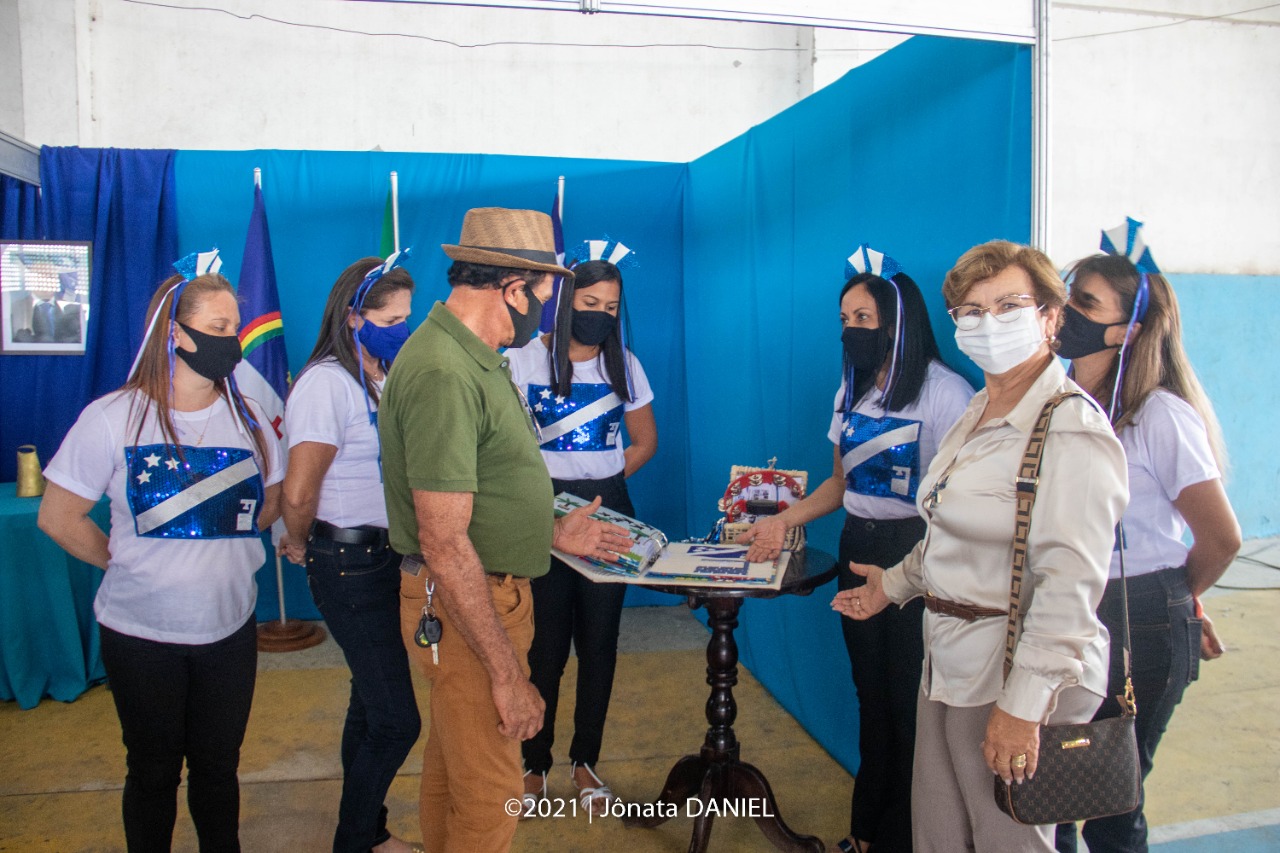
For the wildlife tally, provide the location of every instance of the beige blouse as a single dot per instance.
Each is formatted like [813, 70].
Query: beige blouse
[967, 497]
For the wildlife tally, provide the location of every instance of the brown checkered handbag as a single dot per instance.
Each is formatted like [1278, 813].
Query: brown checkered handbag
[1086, 770]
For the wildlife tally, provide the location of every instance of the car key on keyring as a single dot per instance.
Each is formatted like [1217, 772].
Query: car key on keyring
[429, 628]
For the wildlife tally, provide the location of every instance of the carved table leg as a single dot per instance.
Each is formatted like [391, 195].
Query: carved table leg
[715, 775]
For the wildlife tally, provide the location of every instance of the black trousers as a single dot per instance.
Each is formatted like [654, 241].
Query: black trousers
[886, 653]
[568, 607]
[1166, 658]
[179, 702]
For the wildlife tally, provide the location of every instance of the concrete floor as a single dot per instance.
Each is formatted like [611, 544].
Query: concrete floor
[1216, 783]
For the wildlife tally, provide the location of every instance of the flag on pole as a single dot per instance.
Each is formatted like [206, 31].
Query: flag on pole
[557, 230]
[264, 372]
[388, 243]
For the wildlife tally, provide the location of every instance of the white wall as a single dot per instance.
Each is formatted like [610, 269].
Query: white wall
[185, 78]
[1175, 124]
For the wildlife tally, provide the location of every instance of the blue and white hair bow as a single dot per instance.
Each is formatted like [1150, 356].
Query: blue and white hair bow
[605, 249]
[371, 278]
[374, 275]
[189, 267]
[1126, 240]
[867, 260]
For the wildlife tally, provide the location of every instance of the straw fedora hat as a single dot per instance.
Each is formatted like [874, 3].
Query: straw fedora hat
[520, 239]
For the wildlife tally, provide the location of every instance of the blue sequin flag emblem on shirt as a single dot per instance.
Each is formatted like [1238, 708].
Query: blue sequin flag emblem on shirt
[881, 456]
[588, 419]
[216, 493]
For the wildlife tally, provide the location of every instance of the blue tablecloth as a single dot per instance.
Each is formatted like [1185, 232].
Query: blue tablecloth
[48, 636]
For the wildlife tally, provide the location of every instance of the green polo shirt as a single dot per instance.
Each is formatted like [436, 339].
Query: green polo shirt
[452, 421]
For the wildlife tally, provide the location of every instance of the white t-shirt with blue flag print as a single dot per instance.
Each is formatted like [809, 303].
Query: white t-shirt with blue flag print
[581, 432]
[184, 528]
[884, 453]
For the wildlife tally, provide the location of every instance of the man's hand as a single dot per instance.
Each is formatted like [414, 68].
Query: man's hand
[520, 708]
[579, 534]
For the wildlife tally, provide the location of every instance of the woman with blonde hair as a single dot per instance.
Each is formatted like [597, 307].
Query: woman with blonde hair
[193, 477]
[1123, 334]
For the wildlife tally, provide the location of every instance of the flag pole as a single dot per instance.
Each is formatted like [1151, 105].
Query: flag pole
[395, 209]
[287, 634]
[560, 196]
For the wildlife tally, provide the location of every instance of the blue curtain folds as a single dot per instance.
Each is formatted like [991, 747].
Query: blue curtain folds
[126, 203]
[922, 153]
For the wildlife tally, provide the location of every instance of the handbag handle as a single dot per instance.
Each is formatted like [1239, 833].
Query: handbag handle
[1027, 483]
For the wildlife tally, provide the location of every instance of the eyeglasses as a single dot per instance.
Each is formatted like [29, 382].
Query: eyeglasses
[1006, 309]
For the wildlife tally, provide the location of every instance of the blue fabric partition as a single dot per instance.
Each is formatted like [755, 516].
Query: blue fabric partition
[19, 209]
[922, 153]
[124, 201]
[326, 210]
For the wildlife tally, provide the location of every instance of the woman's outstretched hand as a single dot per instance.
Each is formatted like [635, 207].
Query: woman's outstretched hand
[865, 601]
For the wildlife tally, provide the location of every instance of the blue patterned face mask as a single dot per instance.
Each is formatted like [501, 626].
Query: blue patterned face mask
[383, 341]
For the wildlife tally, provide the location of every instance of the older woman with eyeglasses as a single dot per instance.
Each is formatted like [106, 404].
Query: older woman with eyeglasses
[972, 721]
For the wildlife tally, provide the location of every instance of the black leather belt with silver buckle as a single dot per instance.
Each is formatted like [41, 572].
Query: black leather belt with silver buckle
[366, 535]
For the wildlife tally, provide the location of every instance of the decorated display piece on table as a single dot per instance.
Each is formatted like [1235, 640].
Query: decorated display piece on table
[756, 492]
[653, 561]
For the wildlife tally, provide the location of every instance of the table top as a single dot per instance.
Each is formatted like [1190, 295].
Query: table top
[806, 571]
[11, 504]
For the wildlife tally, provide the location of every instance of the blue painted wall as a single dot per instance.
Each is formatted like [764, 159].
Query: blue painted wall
[1229, 324]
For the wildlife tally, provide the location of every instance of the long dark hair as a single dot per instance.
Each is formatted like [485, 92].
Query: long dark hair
[335, 338]
[153, 376]
[613, 350]
[919, 347]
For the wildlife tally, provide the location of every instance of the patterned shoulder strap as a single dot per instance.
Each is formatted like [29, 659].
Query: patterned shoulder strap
[1027, 482]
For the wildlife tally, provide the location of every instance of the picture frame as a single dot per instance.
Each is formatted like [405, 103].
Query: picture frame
[44, 296]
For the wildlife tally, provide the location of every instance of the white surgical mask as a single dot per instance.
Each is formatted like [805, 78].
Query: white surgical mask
[998, 347]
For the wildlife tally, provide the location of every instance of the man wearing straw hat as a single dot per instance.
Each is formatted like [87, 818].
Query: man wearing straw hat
[469, 501]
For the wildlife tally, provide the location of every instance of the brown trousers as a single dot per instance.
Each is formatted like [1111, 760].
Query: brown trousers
[469, 770]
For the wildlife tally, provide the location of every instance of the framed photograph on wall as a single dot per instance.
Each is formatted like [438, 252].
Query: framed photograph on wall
[44, 296]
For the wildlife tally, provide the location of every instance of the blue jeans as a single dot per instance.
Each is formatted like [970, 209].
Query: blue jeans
[357, 590]
[1166, 658]
[178, 702]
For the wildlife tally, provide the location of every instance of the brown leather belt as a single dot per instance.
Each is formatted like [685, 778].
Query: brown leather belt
[413, 564]
[967, 612]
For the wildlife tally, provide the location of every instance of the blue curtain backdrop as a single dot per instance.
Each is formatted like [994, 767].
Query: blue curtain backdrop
[326, 210]
[124, 201]
[922, 153]
[19, 209]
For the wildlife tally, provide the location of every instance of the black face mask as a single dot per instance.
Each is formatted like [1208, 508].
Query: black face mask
[215, 356]
[592, 327]
[866, 349]
[1081, 336]
[526, 325]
